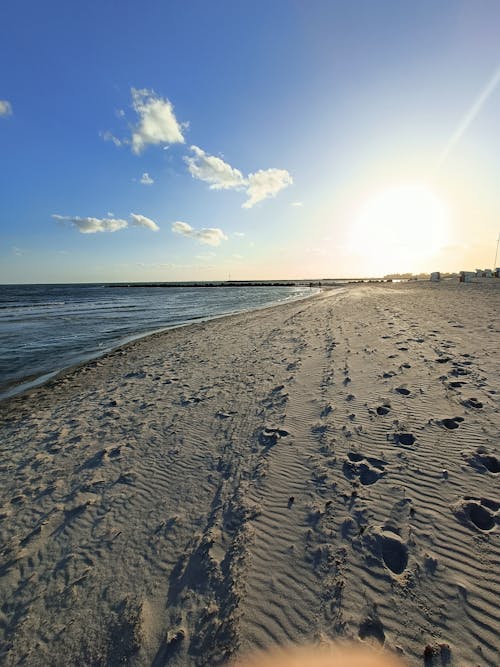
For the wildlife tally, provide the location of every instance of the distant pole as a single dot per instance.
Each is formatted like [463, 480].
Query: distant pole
[496, 254]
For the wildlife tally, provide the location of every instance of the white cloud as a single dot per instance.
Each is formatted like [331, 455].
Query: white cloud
[209, 236]
[5, 108]
[266, 183]
[142, 221]
[297, 203]
[109, 224]
[93, 225]
[207, 257]
[213, 170]
[146, 179]
[221, 176]
[107, 136]
[157, 122]
[239, 234]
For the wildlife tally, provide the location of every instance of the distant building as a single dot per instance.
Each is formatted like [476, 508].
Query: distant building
[435, 276]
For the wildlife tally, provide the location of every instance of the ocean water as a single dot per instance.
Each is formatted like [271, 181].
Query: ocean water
[46, 328]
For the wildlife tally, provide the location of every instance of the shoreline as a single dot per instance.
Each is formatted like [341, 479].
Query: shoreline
[17, 388]
[321, 469]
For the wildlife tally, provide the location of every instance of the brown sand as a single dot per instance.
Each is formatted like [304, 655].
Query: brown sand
[321, 469]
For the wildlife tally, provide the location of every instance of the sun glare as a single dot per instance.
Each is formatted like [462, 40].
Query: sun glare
[400, 227]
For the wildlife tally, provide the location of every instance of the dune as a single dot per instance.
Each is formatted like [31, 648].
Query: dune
[323, 469]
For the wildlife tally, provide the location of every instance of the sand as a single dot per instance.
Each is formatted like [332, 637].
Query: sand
[321, 469]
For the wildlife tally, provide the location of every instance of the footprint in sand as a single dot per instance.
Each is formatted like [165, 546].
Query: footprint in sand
[452, 423]
[458, 370]
[372, 629]
[406, 439]
[394, 552]
[401, 439]
[140, 375]
[326, 411]
[484, 461]
[388, 547]
[472, 403]
[393, 536]
[480, 513]
[102, 456]
[96, 460]
[270, 435]
[442, 360]
[368, 469]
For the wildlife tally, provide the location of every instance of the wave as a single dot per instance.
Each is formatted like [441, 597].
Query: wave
[48, 304]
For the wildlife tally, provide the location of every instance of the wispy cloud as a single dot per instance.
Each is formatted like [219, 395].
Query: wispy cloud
[298, 204]
[209, 236]
[260, 185]
[146, 179]
[266, 183]
[213, 170]
[108, 136]
[157, 122]
[141, 221]
[5, 108]
[90, 225]
[93, 225]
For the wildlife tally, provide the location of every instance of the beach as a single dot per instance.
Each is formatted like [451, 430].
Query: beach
[322, 469]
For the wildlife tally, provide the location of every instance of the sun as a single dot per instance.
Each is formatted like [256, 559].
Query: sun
[399, 228]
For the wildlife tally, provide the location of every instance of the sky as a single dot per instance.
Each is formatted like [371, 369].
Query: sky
[194, 140]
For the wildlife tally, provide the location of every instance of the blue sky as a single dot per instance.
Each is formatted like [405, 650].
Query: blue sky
[305, 113]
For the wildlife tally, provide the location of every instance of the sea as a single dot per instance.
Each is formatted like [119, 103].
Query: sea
[47, 328]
